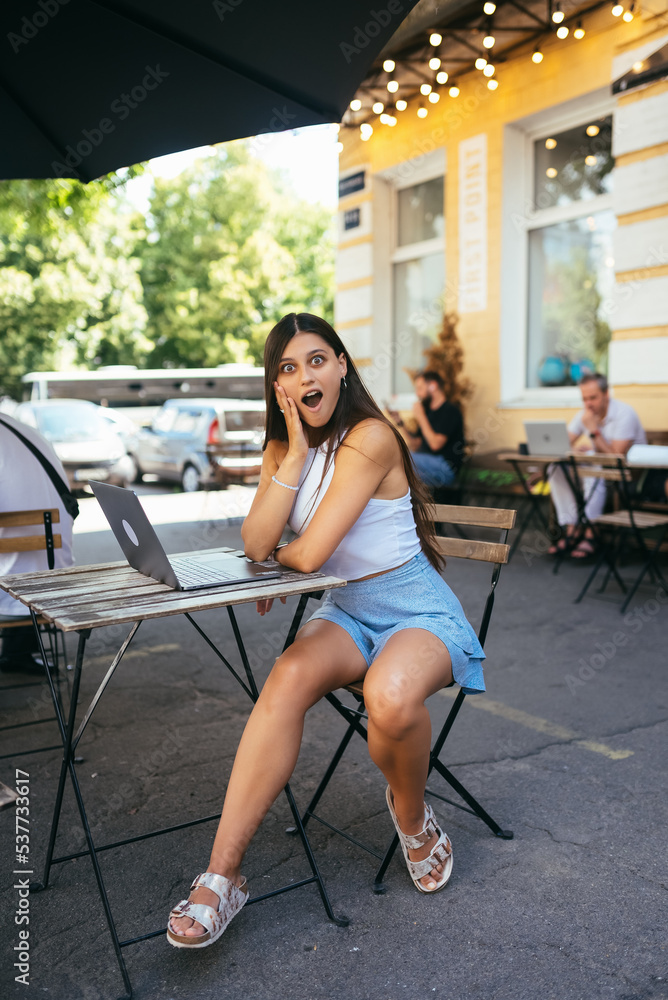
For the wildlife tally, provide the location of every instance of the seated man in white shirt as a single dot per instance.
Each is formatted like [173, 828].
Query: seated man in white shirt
[610, 427]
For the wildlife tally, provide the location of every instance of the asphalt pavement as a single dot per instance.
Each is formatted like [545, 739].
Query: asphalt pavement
[568, 748]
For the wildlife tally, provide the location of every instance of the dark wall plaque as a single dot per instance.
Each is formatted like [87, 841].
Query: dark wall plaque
[351, 218]
[348, 185]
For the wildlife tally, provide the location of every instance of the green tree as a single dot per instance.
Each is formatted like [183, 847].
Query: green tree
[228, 250]
[69, 286]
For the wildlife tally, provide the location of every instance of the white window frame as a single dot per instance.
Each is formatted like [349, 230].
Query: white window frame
[426, 167]
[520, 217]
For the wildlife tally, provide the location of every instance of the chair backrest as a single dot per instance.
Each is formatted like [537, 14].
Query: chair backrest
[495, 552]
[31, 543]
[611, 467]
[480, 517]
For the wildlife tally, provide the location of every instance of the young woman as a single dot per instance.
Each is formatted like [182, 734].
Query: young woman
[337, 472]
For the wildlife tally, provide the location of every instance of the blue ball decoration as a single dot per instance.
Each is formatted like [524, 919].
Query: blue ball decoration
[580, 368]
[553, 371]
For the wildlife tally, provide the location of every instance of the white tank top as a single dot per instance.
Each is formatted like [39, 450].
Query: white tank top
[382, 538]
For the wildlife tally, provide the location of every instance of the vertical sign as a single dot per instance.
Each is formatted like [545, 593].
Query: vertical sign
[473, 224]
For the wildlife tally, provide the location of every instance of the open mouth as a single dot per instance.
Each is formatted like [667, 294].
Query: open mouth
[312, 398]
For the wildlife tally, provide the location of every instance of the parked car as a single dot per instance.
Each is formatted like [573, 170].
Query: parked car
[128, 431]
[82, 439]
[203, 442]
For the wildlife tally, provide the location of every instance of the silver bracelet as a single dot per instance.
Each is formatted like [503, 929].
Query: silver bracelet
[279, 483]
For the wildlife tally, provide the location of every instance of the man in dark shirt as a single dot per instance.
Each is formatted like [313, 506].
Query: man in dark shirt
[438, 446]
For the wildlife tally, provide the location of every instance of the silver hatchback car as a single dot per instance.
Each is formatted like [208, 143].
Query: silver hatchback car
[203, 442]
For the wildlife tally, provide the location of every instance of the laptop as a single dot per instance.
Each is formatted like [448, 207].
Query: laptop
[547, 437]
[143, 550]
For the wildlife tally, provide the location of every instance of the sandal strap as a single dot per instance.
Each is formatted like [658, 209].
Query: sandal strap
[231, 899]
[202, 913]
[431, 827]
[222, 886]
[439, 856]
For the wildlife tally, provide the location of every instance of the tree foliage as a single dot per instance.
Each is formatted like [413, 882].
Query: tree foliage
[69, 284]
[227, 252]
[224, 250]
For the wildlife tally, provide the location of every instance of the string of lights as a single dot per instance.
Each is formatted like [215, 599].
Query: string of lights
[422, 73]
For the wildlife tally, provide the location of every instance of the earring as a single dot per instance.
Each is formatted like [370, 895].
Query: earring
[343, 382]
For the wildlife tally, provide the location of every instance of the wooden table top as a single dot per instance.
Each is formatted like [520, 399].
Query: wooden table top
[82, 597]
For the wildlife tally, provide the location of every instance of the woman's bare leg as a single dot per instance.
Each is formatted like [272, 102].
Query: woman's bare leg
[413, 665]
[322, 658]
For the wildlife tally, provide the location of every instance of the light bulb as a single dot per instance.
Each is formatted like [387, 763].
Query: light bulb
[392, 86]
[384, 118]
[378, 107]
[434, 97]
[638, 66]
[627, 15]
[537, 57]
[454, 90]
[579, 32]
[591, 161]
[488, 70]
[550, 143]
[480, 62]
[488, 41]
[434, 62]
[366, 131]
[435, 38]
[492, 84]
[617, 10]
[389, 65]
[489, 8]
[425, 88]
[391, 121]
[551, 172]
[442, 77]
[562, 31]
[401, 105]
[557, 14]
[355, 105]
[593, 130]
[422, 112]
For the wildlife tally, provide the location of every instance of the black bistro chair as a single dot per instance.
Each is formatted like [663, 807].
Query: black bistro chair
[499, 521]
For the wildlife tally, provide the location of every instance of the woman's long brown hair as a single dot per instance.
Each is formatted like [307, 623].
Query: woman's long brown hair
[355, 404]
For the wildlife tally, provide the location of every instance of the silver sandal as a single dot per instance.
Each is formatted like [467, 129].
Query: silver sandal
[440, 855]
[231, 899]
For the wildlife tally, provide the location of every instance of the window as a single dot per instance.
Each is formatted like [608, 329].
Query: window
[418, 265]
[570, 254]
[420, 212]
[186, 422]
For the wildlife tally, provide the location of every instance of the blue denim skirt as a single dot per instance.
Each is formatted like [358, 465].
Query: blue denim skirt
[412, 596]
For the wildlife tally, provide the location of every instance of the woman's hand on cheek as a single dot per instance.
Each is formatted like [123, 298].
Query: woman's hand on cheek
[297, 443]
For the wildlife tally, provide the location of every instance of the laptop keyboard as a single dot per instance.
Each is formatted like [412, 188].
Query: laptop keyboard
[191, 573]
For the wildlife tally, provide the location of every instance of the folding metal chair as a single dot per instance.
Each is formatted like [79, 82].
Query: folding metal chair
[612, 531]
[494, 552]
[51, 641]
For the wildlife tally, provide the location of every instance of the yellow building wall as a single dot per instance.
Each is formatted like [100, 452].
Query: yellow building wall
[569, 70]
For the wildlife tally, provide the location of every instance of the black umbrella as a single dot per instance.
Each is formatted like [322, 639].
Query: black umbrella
[87, 86]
